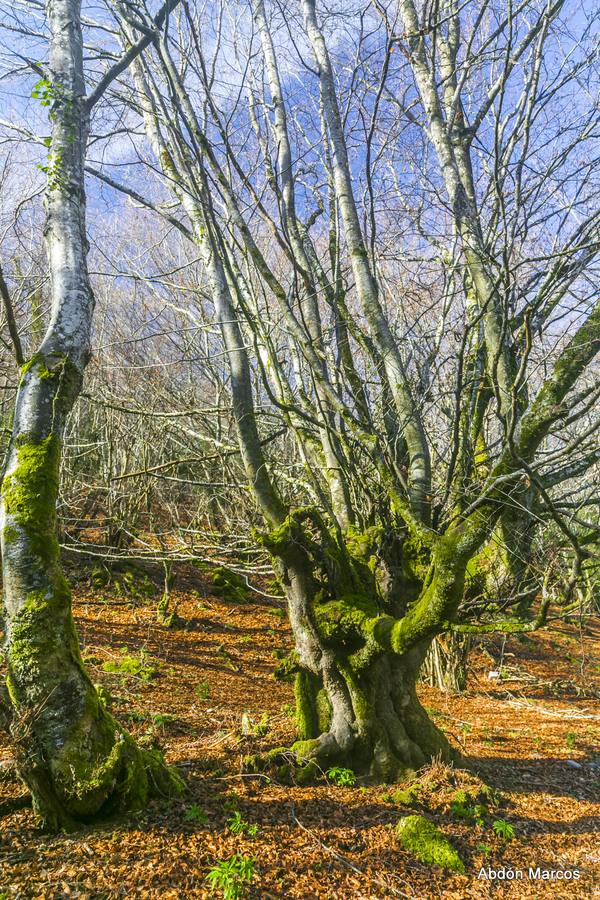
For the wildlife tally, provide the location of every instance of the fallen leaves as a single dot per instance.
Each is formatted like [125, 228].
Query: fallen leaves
[311, 842]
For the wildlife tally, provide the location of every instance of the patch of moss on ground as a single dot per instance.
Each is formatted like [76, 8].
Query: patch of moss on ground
[409, 796]
[421, 838]
[229, 585]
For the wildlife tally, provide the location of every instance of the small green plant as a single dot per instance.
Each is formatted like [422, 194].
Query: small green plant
[196, 815]
[132, 666]
[138, 715]
[160, 720]
[277, 611]
[485, 849]
[231, 877]
[238, 826]
[463, 807]
[465, 729]
[409, 796]
[341, 777]
[489, 796]
[461, 810]
[262, 726]
[468, 813]
[202, 690]
[227, 658]
[99, 576]
[288, 710]
[571, 740]
[230, 803]
[503, 829]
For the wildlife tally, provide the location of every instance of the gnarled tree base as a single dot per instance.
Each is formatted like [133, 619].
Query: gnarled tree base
[388, 739]
[98, 771]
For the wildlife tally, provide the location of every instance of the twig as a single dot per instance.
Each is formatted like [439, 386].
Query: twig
[342, 859]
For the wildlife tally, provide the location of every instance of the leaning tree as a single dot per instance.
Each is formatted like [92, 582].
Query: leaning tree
[76, 760]
[396, 212]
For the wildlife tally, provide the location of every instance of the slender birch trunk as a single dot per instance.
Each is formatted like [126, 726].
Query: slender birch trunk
[74, 757]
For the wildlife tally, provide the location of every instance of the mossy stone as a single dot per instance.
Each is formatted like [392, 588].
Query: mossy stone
[229, 585]
[421, 838]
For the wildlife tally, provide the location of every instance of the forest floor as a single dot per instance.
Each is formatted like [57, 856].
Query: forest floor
[534, 736]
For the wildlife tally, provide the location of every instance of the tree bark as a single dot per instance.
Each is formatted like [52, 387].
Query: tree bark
[74, 757]
[356, 697]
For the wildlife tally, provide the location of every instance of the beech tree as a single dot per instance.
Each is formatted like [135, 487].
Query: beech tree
[444, 423]
[77, 761]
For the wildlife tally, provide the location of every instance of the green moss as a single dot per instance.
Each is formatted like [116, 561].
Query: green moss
[287, 667]
[306, 718]
[347, 618]
[140, 666]
[305, 749]
[163, 781]
[278, 540]
[416, 557]
[253, 763]
[421, 837]
[55, 367]
[11, 534]
[30, 493]
[36, 360]
[111, 773]
[229, 585]
[363, 548]
[105, 697]
[306, 774]
[407, 796]
[42, 640]
[323, 711]
[94, 767]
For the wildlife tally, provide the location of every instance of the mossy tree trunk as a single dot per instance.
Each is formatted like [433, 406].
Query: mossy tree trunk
[364, 605]
[355, 680]
[75, 758]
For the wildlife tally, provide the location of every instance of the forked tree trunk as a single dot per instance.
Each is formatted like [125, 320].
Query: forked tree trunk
[75, 758]
[356, 704]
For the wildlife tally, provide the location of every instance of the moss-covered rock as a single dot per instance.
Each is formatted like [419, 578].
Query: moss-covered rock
[421, 838]
[229, 585]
